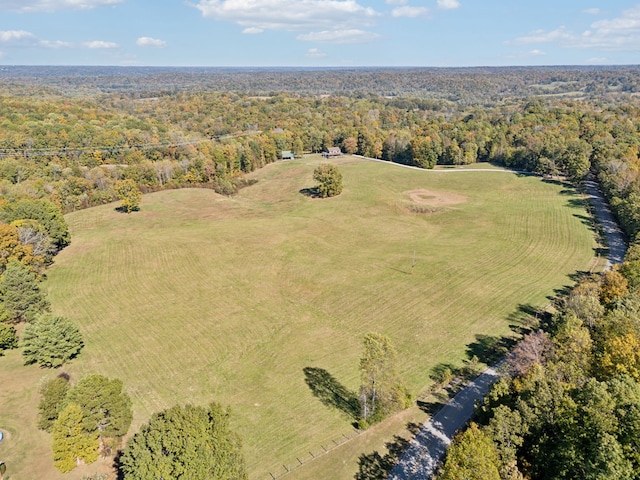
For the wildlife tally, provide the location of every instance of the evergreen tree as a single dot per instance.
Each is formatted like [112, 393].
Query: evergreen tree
[189, 442]
[71, 445]
[53, 395]
[51, 341]
[8, 338]
[21, 294]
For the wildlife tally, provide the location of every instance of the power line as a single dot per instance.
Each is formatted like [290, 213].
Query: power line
[51, 152]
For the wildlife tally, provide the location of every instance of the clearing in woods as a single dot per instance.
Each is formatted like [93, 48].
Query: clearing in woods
[251, 299]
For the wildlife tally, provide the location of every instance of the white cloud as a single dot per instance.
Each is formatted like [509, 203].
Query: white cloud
[55, 44]
[411, 12]
[290, 14]
[448, 4]
[396, 2]
[100, 44]
[31, 6]
[339, 36]
[16, 36]
[591, 11]
[315, 53]
[617, 34]
[536, 53]
[150, 42]
[252, 30]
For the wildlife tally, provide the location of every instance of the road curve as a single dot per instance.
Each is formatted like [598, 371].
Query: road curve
[420, 460]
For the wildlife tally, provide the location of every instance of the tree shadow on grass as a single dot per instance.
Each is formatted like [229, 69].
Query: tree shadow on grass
[374, 466]
[331, 392]
[122, 209]
[310, 192]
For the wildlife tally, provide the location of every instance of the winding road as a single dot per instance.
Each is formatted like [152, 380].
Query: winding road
[421, 458]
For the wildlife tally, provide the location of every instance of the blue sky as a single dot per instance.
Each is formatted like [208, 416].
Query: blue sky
[319, 32]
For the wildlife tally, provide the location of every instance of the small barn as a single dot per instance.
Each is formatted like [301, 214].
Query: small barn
[332, 152]
[287, 155]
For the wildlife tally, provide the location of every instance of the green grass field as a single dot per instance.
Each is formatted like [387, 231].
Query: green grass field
[200, 297]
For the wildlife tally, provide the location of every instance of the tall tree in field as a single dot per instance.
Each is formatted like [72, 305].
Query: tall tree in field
[329, 180]
[381, 391]
[187, 442]
[106, 409]
[21, 294]
[51, 341]
[129, 195]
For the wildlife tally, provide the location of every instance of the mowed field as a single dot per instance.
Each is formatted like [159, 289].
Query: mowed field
[200, 297]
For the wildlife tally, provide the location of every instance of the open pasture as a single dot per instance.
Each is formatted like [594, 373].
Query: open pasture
[247, 300]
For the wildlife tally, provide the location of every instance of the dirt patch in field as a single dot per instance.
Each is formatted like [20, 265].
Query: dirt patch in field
[435, 199]
[423, 201]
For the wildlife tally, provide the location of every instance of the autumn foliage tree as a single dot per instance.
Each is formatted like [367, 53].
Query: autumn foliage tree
[72, 446]
[329, 180]
[129, 194]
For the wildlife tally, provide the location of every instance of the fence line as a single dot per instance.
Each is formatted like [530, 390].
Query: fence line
[310, 456]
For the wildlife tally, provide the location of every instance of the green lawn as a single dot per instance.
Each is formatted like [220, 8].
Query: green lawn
[200, 297]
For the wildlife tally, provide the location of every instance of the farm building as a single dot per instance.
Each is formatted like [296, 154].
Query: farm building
[332, 152]
[287, 155]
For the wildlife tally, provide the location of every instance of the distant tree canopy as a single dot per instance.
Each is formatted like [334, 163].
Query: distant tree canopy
[185, 443]
[329, 180]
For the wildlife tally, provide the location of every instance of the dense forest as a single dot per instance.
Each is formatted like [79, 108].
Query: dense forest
[570, 406]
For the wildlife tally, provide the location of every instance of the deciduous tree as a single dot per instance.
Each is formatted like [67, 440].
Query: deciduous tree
[381, 391]
[329, 180]
[72, 446]
[187, 442]
[471, 456]
[129, 195]
[105, 407]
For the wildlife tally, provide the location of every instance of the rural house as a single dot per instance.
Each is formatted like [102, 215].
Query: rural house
[332, 152]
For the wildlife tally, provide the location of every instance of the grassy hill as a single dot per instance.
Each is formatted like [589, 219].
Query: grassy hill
[200, 297]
